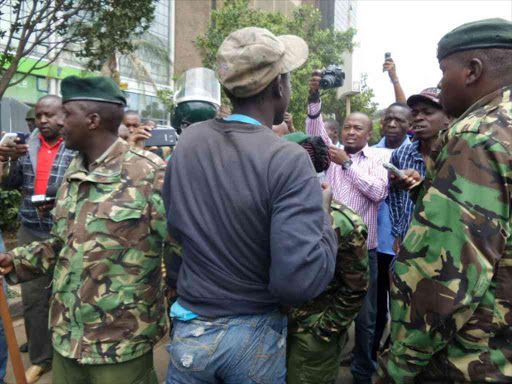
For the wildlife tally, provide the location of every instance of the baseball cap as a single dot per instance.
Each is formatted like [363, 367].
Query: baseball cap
[429, 94]
[250, 58]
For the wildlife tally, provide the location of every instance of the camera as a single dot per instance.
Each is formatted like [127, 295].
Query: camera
[332, 77]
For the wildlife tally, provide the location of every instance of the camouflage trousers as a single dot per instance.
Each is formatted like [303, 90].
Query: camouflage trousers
[137, 371]
[310, 360]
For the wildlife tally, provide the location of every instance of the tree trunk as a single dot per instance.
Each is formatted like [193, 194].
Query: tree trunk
[109, 69]
[7, 77]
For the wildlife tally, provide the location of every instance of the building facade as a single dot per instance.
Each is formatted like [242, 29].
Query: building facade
[176, 26]
[141, 95]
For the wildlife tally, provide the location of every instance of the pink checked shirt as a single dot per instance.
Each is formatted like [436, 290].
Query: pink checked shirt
[364, 185]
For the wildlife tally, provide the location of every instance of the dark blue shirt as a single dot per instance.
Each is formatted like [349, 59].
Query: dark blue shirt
[400, 204]
[246, 206]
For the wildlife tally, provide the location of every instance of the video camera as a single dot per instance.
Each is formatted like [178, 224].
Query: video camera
[48, 198]
[332, 77]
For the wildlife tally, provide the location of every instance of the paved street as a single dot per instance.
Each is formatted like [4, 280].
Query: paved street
[161, 359]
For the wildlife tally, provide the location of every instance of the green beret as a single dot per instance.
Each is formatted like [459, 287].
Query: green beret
[101, 89]
[31, 114]
[489, 33]
[297, 137]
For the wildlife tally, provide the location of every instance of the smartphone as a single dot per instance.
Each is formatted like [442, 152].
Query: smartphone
[387, 55]
[394, 170]
[9, 139]
[22, 137]
[161, 137]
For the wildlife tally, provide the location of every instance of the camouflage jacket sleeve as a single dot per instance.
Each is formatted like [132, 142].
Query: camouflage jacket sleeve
[171, 250]
[351, 270]
[457, 237]
[332, 312]
[34, 260]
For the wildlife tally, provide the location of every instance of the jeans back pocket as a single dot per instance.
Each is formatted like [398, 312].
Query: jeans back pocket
[269, 364]
[193, 343]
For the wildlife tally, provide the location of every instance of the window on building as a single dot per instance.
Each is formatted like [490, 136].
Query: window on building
[159, 37]
[148, 107]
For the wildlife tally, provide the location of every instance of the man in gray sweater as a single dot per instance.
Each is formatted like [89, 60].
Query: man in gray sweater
[252, 219]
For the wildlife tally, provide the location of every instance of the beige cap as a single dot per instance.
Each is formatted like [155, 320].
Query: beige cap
[250, 58]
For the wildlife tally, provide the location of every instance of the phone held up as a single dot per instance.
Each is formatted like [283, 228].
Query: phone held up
[161, 137]
[394, 170]
[9, 139]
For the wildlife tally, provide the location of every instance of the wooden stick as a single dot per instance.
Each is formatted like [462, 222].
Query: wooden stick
[12, 344]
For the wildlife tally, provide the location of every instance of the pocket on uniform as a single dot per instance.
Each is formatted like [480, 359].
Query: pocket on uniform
[269, 365]
[194, 343]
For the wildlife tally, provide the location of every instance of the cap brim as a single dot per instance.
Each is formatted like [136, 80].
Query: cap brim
[296, 52]
[415, 99]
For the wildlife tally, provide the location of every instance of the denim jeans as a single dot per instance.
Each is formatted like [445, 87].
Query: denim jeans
[363, 367]
[247, 349]
[3, 341]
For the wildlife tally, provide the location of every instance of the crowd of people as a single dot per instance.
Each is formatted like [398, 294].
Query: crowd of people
[262, 246]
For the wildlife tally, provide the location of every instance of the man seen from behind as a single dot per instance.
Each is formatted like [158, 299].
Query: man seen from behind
[252, 219]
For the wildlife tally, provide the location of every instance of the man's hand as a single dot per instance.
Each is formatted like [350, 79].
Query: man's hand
[390, 68]
[411, 179]
[396, 244]
[12, 152]
[46, 207]
[137, 137]
[6, 264]
[327, 197]
[338, 155]
[288, 119]
[314, 83]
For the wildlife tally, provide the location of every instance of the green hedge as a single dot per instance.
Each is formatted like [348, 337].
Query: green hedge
[9, 204]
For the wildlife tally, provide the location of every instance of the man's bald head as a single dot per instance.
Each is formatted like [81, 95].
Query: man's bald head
[363, 117]
[356, 132]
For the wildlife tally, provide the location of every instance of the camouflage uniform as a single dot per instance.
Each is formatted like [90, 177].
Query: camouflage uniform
[107, 303]
[452, 295]
[318, 329]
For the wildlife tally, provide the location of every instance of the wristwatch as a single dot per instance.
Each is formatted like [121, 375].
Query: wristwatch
[346, 164]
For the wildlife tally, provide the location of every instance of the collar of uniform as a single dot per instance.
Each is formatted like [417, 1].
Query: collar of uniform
[485, 104]
[106, 169]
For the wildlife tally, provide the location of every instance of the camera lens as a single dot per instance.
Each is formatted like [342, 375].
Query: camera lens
[327, 82]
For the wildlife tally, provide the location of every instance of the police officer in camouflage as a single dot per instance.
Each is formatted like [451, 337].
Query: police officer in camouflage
[317, 330]
[107, 308]
[452, 292]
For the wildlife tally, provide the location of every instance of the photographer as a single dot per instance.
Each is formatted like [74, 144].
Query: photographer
[359, 181]
[36, 167]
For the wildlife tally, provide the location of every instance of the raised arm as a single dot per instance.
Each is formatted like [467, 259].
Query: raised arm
[314, 121]
[390, 68]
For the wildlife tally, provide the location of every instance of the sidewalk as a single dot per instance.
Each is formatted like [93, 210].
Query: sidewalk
[161, 358]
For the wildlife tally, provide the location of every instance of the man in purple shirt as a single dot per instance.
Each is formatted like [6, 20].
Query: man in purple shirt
[359, 181]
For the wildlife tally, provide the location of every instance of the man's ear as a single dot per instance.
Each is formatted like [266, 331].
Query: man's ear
[94, 121]
[277, 89]
[473, 71]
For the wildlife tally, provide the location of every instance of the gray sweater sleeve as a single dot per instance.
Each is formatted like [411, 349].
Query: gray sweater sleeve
[303, 243]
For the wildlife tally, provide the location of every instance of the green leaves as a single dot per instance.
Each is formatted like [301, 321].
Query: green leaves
[326, 47]
[9, 203]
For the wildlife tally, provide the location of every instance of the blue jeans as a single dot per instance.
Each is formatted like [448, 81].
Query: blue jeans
[3, 341]
[363, 367]
[230, 350]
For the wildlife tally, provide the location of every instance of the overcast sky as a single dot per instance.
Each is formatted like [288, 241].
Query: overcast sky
[410, 30]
